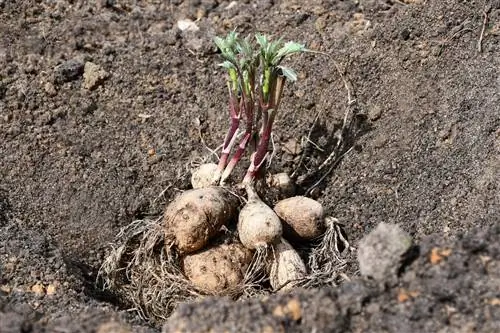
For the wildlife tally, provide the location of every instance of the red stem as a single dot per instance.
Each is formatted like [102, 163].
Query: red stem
[236, 157]
[230, 136]
[259, 156]
[249, 105]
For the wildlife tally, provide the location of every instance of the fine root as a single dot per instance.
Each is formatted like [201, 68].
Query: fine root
[325, 262]
[255, 275]
[145, 272]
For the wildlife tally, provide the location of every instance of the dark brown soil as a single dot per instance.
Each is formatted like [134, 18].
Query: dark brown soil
[80, 159]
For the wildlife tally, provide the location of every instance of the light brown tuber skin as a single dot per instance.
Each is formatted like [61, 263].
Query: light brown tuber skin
[258, 224]
[219, 269]
[195, 216]
[303, 217]
[202, 176]
[287, 267]
[283, 183]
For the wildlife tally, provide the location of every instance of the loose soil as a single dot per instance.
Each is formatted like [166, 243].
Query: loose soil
[106, 105]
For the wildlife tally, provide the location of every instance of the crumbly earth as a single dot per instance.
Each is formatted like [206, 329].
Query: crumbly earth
[105, 106]
[448, 288]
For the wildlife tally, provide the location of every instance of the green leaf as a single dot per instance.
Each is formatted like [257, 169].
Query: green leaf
[261, 40]
[227, 65]
[243, 46]
[288, 49]
[289, 73]
[227, 46]
[220, 43]
[272, 49]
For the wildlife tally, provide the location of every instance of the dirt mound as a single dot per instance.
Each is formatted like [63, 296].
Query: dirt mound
[448, 288]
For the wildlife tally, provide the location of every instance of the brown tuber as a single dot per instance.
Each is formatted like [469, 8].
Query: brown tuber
[302, 217]
[203, 176]
[195, 216]
[287, 268]
[219, 269]
[258, 225]
[282, 182]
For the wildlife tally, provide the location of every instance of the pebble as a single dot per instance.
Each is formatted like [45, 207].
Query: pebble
[51, 289]
[93, 75]
[381, 251]
[171, 36]
[68, 71]
[38, 289]
[187, 25]
[50, 89]
[292, 147]
[374, 113]
[320, 23]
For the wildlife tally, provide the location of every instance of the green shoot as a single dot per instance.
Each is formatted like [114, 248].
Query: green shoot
[255, 100]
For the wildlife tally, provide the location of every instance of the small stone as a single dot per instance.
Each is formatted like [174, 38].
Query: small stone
[51, 289]
[203, 176]
[294, 309]
[93, 75]
[292, 147]
[38, 289]
[282, 182]
[187, 25]
[380, 141]
[279, 311]
[494, 301]
[320, 24]
[405, 295]
[380, 252]
[437, 255]
[5, 288]
[171, 36]
[231, 5]
[68, 71]
[374, 113]
[300, 93]
[50, 89]
[291, 310]
[158, 28]
[201, 13]
[267, 329]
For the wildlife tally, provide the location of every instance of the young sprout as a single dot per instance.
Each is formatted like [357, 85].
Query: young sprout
[257, 100]
[227, 48]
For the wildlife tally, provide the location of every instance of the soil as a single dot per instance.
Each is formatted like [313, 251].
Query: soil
[106, 105]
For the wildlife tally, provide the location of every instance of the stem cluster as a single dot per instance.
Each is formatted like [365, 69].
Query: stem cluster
[255, 83]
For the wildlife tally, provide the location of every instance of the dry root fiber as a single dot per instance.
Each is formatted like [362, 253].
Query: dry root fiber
[143, 272]
[325, 262]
